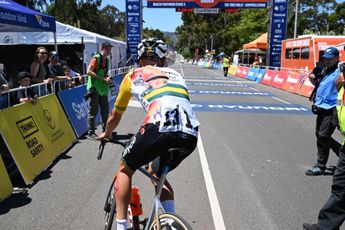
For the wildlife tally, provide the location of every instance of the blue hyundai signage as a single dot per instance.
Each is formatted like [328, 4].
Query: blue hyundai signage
[133, 23]
[278, 31]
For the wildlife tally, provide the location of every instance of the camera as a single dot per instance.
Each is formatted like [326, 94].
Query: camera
[342, 67]
[320, 70]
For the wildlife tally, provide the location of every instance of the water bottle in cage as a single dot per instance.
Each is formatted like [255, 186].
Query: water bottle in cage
[135, 207]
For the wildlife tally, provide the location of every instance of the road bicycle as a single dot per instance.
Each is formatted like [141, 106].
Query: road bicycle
[158, 219]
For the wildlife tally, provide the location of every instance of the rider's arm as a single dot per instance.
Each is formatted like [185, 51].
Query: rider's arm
[120, 106]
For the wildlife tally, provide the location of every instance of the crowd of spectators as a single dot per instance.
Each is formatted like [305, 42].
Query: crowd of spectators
[47, 70]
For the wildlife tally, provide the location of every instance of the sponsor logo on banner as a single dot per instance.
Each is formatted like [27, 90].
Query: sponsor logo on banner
[36, 134]
[27, 127]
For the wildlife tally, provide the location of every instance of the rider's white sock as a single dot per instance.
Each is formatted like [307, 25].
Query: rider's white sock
[121, 224]
[169, 206]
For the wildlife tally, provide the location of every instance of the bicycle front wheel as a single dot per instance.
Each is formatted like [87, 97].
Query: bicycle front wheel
[110, 209]
[170, 221]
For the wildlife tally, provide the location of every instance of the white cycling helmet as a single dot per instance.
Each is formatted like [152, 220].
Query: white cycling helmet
[152, 47]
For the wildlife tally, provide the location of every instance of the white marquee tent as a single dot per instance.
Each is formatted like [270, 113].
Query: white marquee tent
[66, 34]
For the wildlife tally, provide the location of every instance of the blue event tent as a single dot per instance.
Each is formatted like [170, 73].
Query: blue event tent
[16, 17]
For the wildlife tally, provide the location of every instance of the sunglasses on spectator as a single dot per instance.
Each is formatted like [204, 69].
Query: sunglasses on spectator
[43, 53]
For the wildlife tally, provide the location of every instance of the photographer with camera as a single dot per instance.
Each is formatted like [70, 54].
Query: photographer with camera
[98, 87]
[324, 97]
[332, 214]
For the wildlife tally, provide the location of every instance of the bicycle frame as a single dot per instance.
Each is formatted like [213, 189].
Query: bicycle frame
[157, 204]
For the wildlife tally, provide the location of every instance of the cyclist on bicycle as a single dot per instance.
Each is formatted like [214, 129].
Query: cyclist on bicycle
[169, 122]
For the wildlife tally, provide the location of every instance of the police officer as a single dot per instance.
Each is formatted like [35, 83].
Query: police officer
[332, 214]
[324, 107]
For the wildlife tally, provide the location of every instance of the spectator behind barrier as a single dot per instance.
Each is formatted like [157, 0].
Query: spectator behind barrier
[27, 94]
[56, 72]
[38, 68]
[76, 78]
[3, 95]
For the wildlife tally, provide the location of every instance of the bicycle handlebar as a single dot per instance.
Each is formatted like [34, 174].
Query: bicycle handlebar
[115, 140]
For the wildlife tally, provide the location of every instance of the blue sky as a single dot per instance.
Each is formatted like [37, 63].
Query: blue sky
[155, 18]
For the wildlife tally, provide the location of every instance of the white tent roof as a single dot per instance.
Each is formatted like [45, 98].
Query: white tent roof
[64, 34]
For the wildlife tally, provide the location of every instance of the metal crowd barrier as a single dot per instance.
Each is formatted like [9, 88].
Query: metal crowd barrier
[48, 88]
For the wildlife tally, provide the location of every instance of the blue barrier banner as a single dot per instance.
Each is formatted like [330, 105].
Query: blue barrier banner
[253, 72]
[77, 107]
[260, 75]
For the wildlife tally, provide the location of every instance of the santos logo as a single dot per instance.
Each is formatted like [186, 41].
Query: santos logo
[80, 110]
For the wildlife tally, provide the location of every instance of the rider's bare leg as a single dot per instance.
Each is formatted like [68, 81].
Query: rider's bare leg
[123, 191]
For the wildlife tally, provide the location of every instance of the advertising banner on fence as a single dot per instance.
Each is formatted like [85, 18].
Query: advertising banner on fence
[239, 71]
[260, 75]
[36, 134]
[268, 77]
[307, 86]
[244, 72]
[232, 69]
[253, 72]
[77, 107]
[6, 185]
[293, 82]
[279, 79]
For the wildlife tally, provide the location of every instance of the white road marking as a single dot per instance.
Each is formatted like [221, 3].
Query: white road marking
[212, 196]
[281, 100]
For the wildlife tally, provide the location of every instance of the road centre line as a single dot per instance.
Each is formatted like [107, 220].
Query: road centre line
[211, 191]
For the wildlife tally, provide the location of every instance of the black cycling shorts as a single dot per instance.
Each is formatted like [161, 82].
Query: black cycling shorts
[148, 144]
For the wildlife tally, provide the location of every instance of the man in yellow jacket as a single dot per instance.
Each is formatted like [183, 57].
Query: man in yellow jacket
[226, 65]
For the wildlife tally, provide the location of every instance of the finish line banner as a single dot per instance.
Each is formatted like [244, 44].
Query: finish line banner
[6, 185]
[206, 4]
[36, 134]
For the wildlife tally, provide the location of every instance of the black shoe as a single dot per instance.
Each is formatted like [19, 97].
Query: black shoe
[307, 226]
[92, 135]
[315, 171]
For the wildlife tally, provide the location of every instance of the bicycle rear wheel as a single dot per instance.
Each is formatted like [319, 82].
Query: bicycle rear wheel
[170, 221]
[110, 208]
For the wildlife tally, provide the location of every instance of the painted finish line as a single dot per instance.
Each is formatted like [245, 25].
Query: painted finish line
[216, 84]
[249, 108]
[237, 93]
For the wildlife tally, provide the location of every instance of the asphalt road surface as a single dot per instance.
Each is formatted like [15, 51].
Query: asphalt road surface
[247, 172]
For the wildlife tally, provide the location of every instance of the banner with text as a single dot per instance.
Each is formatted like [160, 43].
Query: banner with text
[36, 134]
[207, 3]
[77, 107]
[278, 30]
[133, 27]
